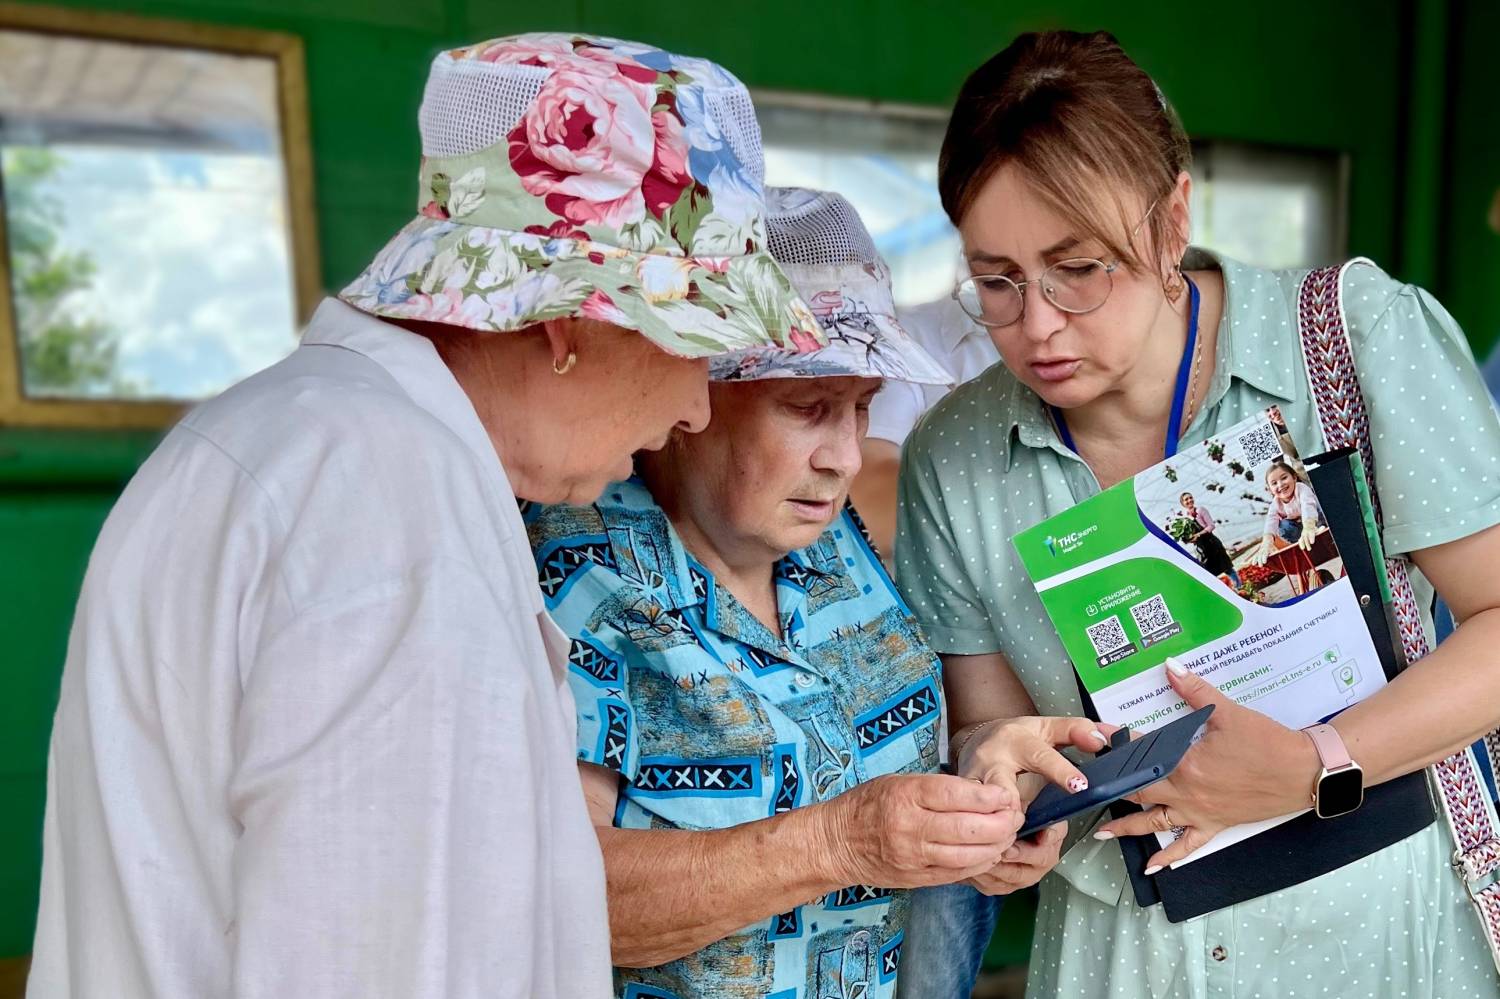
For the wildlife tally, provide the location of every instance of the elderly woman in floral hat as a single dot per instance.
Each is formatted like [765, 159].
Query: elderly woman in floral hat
[757, 711]
[313, 737]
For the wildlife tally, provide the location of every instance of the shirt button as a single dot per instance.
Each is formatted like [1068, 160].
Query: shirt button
[804, 680]
[1219, 954]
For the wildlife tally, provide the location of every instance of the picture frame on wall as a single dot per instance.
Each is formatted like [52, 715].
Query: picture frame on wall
[158, 234]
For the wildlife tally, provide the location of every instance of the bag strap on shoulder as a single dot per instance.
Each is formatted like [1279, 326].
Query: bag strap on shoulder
[1328, 352]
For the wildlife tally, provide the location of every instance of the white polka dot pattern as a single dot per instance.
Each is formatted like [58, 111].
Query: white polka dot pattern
[986, 463]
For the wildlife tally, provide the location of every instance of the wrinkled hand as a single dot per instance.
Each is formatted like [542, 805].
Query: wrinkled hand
[914, 830]
[1001, 750]
[1025, 863]
[1247, 767]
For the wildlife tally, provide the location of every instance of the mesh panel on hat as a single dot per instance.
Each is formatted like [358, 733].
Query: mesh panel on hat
[470, 105]
[734, 113]
[815, 228]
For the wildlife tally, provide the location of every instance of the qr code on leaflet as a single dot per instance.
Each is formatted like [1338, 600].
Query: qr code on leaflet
[1107, 636]
[1152, 615]
[1261, 445]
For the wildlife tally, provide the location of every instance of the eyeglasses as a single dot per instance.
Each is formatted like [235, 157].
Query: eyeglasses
[1076, 285]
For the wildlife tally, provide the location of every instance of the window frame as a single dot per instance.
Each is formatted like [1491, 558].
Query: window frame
[286, 50]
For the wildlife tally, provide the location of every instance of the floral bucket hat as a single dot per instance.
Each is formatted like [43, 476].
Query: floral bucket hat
[567, 175]
[822, 245]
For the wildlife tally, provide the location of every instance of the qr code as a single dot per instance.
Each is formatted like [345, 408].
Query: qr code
[1152, 615]
[1261, 445]
[1107, 636]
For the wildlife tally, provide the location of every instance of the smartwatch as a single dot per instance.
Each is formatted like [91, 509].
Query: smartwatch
[1340, 788]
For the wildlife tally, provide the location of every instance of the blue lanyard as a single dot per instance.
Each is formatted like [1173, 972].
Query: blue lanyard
[1179, 394]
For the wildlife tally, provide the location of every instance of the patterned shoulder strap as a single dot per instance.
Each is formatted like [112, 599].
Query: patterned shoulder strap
[1346, 423]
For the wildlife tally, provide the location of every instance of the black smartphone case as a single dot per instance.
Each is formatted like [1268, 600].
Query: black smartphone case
[1138, 763]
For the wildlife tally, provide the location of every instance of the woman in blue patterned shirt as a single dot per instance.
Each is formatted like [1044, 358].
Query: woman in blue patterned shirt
[758, 714]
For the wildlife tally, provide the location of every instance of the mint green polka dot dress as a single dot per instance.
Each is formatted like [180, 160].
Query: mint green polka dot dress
[986, 463]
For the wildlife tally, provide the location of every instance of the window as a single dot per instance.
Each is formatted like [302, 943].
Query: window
[884, 160]
[1268, 206]
[1257, 204]
[158, 233]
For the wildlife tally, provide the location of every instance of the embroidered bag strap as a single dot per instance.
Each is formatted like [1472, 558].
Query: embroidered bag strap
[1345, 422]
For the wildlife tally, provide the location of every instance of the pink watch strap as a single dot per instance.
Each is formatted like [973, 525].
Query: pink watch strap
[1330, 746]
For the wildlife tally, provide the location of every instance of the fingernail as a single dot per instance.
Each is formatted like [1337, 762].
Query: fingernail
[1103, 739]
[1079, 783]
[1176, 668]
[1103, 834]
[1152, 869]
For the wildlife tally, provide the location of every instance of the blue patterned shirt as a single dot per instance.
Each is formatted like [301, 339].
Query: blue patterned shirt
[714, 721]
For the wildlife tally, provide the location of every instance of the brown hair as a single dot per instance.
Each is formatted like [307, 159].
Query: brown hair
[1084, 124]
[1285, 467]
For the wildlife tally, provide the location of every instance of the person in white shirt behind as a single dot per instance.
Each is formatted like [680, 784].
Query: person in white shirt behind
[962, 346]
[315, 737]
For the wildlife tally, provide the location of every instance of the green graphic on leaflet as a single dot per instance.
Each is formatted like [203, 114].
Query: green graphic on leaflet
[1221, 556]
[1107, 523]
[1127, 591]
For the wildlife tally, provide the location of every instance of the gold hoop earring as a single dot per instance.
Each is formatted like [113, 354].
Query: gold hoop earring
[566, 366]
[1174, 285]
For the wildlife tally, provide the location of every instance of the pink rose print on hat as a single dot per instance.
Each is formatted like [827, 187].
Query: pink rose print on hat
[559, 52]
[826, 303]
[625, 187]
[803, 342]
[601, 307]
[601, 150]
[561, 229]
[536, 50]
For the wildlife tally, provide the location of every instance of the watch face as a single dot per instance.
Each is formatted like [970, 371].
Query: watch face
[1340, 792]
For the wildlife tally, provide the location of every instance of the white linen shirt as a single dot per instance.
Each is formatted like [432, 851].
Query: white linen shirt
[314, 738]
[960, 344]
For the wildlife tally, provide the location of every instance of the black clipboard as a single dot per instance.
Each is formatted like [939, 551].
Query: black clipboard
[1306, 847]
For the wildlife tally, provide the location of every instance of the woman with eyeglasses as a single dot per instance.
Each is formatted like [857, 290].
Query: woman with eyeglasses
[1066, 173]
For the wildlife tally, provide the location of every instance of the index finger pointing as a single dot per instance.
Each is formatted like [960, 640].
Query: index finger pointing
[1078, 732]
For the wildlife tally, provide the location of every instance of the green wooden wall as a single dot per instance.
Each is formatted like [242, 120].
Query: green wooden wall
[1468, 259]
[1332, 74]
